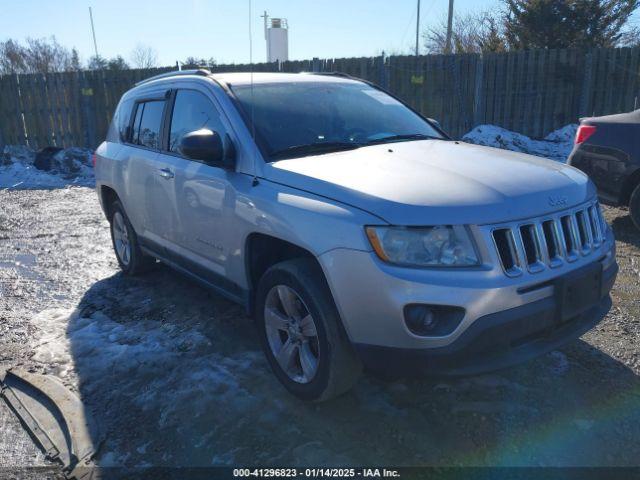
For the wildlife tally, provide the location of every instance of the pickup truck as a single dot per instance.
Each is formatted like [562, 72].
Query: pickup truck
[352, 228]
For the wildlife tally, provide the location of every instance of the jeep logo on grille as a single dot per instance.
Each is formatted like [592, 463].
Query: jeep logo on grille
[557, 200]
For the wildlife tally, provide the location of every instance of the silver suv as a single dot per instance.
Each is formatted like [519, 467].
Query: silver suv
[353, 229]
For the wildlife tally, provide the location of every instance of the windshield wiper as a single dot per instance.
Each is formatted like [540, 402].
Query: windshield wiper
[400, 138]
[311, 148]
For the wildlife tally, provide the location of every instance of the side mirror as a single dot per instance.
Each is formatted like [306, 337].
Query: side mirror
[204, 145]
[435, 122]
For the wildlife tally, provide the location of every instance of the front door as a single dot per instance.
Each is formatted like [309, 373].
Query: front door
[203, 195]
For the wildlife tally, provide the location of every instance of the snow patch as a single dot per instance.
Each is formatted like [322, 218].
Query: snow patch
[23, 168]
[555, 146]
[171, 372]
[566, 134]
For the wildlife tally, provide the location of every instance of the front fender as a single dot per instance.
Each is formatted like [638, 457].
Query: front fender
[310, 221]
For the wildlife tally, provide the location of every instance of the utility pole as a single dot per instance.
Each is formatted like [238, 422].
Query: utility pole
[93, 31]
[266, 18]
[418, 30]
[447, 48]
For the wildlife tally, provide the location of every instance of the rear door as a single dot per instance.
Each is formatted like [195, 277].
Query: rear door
[147, 198]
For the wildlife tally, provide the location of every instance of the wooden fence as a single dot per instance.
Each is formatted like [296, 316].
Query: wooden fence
[532, 92]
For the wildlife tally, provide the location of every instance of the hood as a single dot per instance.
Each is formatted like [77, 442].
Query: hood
[432, 182]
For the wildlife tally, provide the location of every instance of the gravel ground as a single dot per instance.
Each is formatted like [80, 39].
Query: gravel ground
[174, 374]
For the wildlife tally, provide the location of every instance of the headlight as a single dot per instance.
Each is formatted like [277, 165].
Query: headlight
[442, 246]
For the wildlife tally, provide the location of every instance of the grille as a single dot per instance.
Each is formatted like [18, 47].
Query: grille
[538, 244]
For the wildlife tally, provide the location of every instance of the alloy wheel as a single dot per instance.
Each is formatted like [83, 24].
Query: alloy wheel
[121, 238]
[291, 333]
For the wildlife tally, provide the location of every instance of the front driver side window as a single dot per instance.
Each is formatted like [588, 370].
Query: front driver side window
[192, 111]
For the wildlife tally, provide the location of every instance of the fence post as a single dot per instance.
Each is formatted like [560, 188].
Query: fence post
[87, 119]
[3, 122]
[585, 95]
[478, 113]
[24, 134]
[382, 72]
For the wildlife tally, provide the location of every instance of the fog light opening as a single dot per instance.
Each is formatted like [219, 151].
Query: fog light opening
[420, 319]
[432, 320]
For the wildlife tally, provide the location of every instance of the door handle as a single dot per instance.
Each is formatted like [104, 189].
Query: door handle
[166, 173]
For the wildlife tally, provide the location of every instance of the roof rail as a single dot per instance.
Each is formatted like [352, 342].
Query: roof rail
[332, 74]
[200, 71]
[341, 75]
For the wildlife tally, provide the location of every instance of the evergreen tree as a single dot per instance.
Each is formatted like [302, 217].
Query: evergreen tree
[117, 63]
[75, 60]
[97, 62]
[568, 23]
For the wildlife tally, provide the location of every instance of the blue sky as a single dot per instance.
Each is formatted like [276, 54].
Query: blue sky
[220, 29]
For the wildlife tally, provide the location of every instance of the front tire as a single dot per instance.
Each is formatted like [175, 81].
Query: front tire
[634, 207]
[125, 243]
[301, 333]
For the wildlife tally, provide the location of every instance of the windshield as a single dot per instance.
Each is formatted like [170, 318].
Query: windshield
[302, 118]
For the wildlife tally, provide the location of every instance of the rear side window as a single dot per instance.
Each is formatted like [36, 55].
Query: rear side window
[135, 132]
[192, 111]
[147, 122]
[119, 128]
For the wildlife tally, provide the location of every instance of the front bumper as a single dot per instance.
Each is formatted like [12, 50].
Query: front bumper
[495, 341]
[506, 321]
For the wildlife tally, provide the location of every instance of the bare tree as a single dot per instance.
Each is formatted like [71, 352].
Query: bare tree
[12, 57]
[39, 55]
[45, 56]
[144, 56]
[630, 37]
[472, 32]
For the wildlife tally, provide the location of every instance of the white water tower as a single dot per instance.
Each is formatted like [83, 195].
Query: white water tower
[276, 33]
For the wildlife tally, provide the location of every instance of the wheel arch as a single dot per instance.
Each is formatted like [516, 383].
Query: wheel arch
[108, 196]
[630, 184]
[263, 250]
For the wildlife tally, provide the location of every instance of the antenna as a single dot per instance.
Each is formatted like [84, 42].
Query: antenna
[253, 123]
[418, 30]
[93, 31]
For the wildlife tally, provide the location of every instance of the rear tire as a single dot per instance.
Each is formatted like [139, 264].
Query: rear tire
[322, 363]
[125, 243]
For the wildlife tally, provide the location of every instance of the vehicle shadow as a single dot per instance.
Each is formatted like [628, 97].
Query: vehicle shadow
[625, 230]
[175, 377]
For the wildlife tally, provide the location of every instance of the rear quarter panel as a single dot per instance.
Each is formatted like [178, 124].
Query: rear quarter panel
[107, 168]
[609, 156]
[120, 167]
